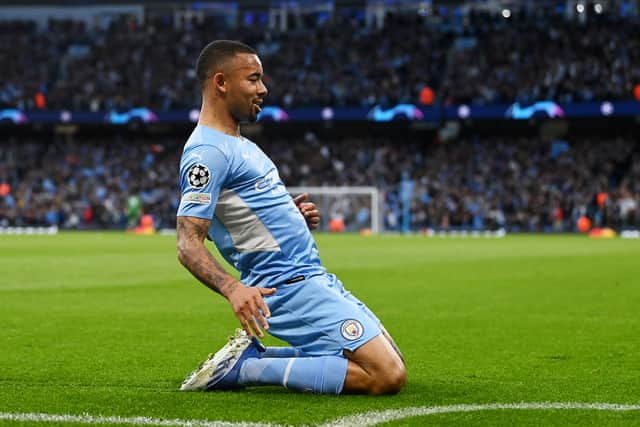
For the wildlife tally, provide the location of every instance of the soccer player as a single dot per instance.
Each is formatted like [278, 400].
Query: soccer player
[232, 194]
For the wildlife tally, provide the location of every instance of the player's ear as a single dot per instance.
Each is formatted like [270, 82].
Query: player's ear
[219, 82]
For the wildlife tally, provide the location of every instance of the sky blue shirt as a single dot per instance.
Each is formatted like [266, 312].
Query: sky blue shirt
[255, 224]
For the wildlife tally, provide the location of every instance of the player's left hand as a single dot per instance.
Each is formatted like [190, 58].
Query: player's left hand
[309, 211]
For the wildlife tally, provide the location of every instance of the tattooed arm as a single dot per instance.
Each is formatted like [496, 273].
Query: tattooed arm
[246, 302]
[198, 260]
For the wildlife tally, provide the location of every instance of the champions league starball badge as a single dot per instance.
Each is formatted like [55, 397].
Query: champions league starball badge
[198, 176]
[351, 329]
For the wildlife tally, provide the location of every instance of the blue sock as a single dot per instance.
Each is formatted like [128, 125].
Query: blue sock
[281, 352]
[324, 374]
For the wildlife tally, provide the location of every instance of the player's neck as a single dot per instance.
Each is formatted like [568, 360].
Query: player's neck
[224, 123]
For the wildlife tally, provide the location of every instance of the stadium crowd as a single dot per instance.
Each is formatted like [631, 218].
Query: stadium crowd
[481, 183]
[338, 62]
[86, 184]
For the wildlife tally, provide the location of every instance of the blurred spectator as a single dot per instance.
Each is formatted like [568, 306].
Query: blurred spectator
[85, 184]
[338, 62]
[480, 183]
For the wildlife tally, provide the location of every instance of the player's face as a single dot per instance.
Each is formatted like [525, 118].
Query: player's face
[246, 89]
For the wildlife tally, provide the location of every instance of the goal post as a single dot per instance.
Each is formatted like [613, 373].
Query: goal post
[358, 207]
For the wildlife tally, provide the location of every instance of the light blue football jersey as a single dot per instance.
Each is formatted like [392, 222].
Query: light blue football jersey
[255, 224]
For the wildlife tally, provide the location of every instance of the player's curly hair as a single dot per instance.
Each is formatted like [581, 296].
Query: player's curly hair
[213, 56]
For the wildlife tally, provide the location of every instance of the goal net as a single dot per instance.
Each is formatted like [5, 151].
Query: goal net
[353, 209]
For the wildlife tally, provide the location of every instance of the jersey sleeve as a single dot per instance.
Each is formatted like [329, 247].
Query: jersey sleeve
[202, 175]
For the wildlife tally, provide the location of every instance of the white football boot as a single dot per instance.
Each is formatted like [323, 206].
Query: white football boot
[220, 370]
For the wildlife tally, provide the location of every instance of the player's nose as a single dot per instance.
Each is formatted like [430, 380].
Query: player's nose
[262, 89]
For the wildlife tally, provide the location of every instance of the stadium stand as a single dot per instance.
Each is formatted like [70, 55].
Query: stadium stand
[511, 181]
[473, 184]
[486, 59]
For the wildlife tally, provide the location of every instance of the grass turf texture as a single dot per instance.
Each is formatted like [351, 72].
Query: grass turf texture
[110, 324]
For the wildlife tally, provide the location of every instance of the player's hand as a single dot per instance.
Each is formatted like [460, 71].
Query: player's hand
[250, 309]
[309, 211]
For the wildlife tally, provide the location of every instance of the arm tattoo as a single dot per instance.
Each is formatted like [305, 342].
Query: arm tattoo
[198, 260]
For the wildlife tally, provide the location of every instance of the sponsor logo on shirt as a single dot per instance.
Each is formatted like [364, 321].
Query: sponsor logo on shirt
[266, 182]
[200, 198]
[270, 181]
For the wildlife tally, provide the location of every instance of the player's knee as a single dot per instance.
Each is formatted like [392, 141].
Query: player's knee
[396, 379]
[389, 381]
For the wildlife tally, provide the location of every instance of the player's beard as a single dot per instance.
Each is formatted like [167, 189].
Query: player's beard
[255, 111]
[250, 116]
[253, 116]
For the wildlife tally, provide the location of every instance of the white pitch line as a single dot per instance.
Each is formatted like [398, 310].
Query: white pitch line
[377, 417]
[134, 421]
[361, 420]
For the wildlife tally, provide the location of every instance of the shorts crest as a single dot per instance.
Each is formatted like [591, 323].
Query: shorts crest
[351, 329]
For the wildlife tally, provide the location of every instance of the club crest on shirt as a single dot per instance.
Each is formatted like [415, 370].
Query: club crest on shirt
[198, 176]
[351, 329]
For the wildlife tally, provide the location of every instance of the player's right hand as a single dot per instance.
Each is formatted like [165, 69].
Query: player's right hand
[250, 309]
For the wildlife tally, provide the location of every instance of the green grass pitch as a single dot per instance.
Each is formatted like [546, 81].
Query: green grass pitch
[108, 324]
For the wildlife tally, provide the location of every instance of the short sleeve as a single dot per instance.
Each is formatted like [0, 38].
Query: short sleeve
[203, 172]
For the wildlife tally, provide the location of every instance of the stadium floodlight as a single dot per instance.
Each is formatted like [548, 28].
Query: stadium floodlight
[464, 111]
[606, 108]
[358, 207]
[597, 8]
[506, 13]
[580, 8]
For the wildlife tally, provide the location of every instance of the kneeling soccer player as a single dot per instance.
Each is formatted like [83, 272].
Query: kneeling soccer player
[233, 195]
